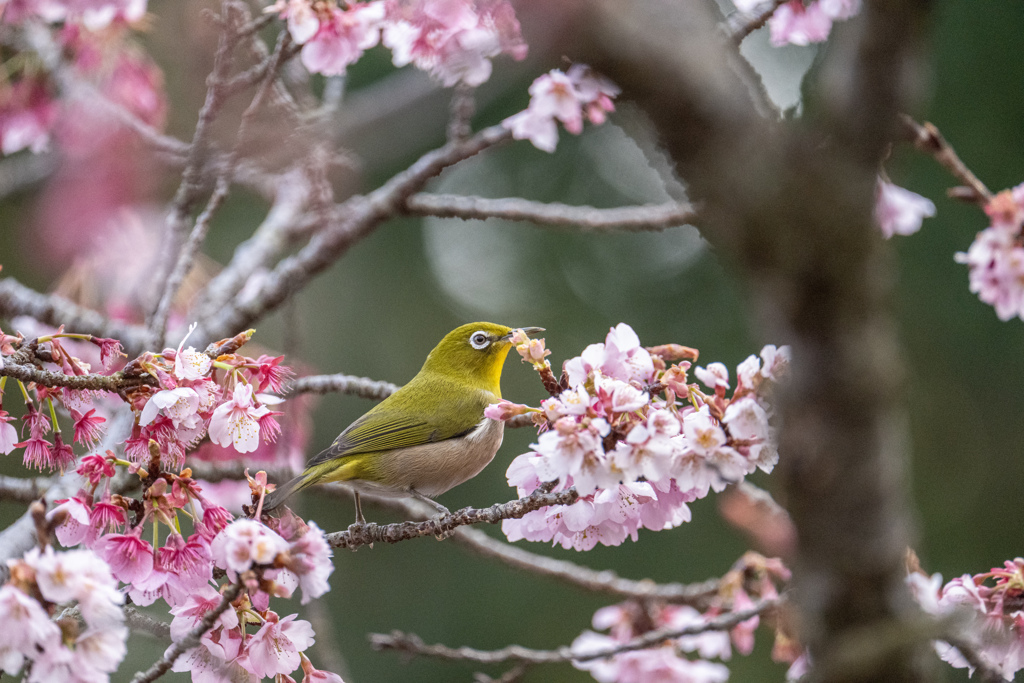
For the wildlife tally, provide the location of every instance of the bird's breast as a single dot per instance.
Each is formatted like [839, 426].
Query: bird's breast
[433, 468]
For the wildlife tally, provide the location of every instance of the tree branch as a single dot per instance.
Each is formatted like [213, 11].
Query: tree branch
[927, 138]
[414, 645]
[739, 24]
[21, 490]
[364, 387]
[349, 222]
[598, 581]
[191, 640]
[653, 217]
[51, 309]
[360, 535]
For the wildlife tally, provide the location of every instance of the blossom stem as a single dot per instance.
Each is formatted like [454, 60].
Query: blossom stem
[24, 392]
[53, 415]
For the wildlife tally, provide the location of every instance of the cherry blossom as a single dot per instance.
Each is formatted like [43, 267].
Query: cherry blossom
[996, 635]
[453, 40]
[276, 646]
[638, 459]
[899, 211]
[8, 434]
[341, 37]
[236, 422]
[565, 97]
[130, 558]
[27, 116]
[245, 542]
[661, 663]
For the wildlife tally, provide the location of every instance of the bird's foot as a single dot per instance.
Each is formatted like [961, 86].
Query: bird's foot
[441, 533]
[356, 530]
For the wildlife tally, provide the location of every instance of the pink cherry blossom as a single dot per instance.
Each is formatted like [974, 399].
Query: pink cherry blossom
[8, 434]
[190, 364]
[796, 24]
[130, 558]
[27, 629]
[899, 211]
[188, 615]
[246, 542]
[342, 37]
[180, 405]
[539, 129]
[452, 40]
[37, 452]
[27, 115]
[236, 421]
[276, 646]
[77, 523]
[310, 560]
[714, 376]
[87, 426]
[95, 468]
[996, 271]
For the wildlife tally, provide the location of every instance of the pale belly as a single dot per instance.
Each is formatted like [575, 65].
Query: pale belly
[433, 468]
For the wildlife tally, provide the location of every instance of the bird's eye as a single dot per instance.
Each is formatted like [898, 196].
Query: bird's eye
[479, 340]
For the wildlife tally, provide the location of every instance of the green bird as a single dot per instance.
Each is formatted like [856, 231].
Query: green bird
[429, 436]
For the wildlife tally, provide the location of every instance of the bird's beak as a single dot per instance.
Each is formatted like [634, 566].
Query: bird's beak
[530, 332]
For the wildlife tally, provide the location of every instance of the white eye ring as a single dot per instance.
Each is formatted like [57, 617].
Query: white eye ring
[479, 340]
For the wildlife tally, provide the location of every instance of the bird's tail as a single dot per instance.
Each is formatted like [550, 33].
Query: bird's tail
[284, 491]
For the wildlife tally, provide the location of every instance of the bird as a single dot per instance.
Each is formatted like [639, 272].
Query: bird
[429, 436]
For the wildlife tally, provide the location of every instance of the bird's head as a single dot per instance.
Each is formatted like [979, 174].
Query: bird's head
[475, 353]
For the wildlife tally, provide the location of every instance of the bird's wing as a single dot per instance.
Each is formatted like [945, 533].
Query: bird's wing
[386, 428]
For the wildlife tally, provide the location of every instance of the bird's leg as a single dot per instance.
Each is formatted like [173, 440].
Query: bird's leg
[429, 501]
[360, 522]
[359, 509]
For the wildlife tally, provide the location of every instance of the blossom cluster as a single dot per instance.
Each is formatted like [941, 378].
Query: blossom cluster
[797, 23]
[269, 561]
[195, 396]
[638, 440]
[566, 97]
[90, 33]
[453, 41]
[754, 577]
[169, 543]
[40, 418]
[995, 599]
[62, 649]
[996, 257]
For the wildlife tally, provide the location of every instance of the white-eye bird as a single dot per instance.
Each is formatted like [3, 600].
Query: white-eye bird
[428, 436]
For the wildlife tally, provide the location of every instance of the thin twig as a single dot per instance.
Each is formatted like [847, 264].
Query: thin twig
[191, 640]
[413, 644]
[365, 534]
[351, 221]
[461, 110]
[116, 382]
[190, 248]
[191, 186]
[363, 387]
[284, 223]
[21, 490]
[739, 24]
[927, 138]
[599, 581]
[653, 217]
[605, 581]
[51, 309]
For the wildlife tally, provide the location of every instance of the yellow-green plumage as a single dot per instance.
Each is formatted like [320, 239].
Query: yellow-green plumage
[431, 434]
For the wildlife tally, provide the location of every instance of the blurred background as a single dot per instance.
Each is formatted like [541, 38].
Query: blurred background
[381, 308]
